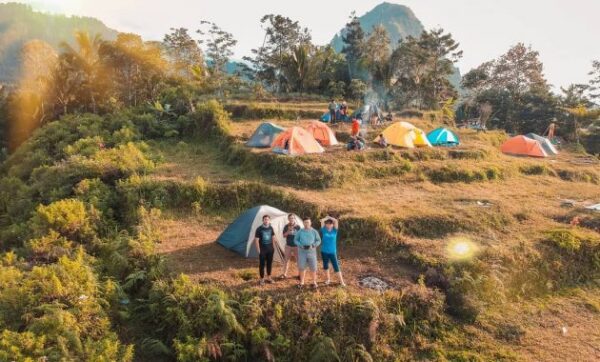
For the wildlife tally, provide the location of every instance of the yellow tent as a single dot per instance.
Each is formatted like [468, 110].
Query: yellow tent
[404, 134]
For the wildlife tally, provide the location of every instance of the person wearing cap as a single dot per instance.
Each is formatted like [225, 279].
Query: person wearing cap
[307, 240]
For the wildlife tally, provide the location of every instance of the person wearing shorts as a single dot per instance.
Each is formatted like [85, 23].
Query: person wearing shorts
[264, 239]
[329, 231]
[291, 250]
[307, 240]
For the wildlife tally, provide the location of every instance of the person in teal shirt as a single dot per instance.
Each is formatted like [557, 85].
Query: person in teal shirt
[329, 231]
[307, 240]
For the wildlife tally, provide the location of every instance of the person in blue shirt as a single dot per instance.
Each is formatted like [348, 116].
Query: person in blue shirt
[307, 240]
[329, 230]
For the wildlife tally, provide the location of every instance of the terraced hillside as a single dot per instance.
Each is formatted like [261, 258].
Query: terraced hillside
[401, 210]
[109, 223]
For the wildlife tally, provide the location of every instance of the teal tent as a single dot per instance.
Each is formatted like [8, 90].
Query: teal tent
[264, 135]
[443, 137]
[239, 235]
[546, 144]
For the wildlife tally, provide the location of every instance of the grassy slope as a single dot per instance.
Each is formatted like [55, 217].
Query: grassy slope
[523, 208]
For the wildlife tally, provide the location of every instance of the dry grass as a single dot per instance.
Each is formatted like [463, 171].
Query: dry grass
[511, 211]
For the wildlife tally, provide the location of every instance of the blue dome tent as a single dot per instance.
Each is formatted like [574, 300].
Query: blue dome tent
[264, 135]
[443, 137]
[239, 235]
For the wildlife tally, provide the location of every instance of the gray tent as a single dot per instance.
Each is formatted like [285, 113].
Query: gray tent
[239, 235]
[546, 144]
[264, 135]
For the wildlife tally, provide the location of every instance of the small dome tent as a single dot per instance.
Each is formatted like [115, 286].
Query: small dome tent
[296, 141]
[546, 144]
[443, 137]
[523, 146]
[264, 135]
[239, 235]
[322, 133]
[404, 134]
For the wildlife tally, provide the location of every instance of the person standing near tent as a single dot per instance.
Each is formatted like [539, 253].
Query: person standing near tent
[307, 240]
[332, 109]
[329, 231]
[355, 127]
[264, 240]
[343, 110]
[289, 232]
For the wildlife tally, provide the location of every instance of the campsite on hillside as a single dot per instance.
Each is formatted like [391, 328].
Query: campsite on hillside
[270, 181]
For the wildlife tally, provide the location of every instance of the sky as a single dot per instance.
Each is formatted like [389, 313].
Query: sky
[565, 32]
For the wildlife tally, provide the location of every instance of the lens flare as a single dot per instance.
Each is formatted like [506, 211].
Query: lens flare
[461, 248]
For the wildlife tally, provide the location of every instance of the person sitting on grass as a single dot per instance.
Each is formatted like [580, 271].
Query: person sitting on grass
[329, 231]
[307, 240]
[361, 143]
[264, 237]
[291, 250]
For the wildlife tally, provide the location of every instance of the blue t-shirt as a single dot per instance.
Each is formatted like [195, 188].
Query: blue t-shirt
[329, 244]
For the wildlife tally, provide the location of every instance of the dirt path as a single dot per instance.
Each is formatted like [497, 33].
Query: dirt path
[189, 244]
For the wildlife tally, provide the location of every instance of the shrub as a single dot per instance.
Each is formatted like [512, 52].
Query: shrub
[579, 176]
[538, 169]
[468, 154]
[67, 321]
[447, 174]
[68, 218]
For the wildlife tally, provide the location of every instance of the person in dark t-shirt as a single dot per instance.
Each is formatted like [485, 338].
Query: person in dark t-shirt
[264, 239]
[289, 231]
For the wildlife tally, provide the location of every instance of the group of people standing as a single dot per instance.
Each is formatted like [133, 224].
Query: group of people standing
[338, 111]
[302, 244]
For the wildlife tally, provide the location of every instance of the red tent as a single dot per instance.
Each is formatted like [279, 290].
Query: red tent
[523, 146]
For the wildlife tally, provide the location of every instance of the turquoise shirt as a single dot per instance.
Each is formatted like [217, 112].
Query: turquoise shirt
[307, 237]
[329, 245]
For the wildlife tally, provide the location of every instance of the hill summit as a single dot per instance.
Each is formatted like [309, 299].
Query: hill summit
[398, 20]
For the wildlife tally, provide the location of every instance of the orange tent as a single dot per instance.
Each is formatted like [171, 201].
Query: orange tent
[523, 146]
[322, 133]
[296, 141]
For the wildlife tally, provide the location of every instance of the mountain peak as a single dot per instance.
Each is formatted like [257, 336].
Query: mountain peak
[398, 20]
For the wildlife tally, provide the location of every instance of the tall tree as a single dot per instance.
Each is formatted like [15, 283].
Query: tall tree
[281, 35]
[516, 89]
[595, 81]
[86, 77]
[183, 53]
[421, 67]
[377, 51]
[353, 37]
[137, 69]
[219, 49]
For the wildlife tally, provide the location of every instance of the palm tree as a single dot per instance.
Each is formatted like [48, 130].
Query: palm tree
[85, 63]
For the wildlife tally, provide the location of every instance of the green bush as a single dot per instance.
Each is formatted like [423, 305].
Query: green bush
[538, 169]
[68, 218]
[579, 176]
[66, 318]
[449, 174]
